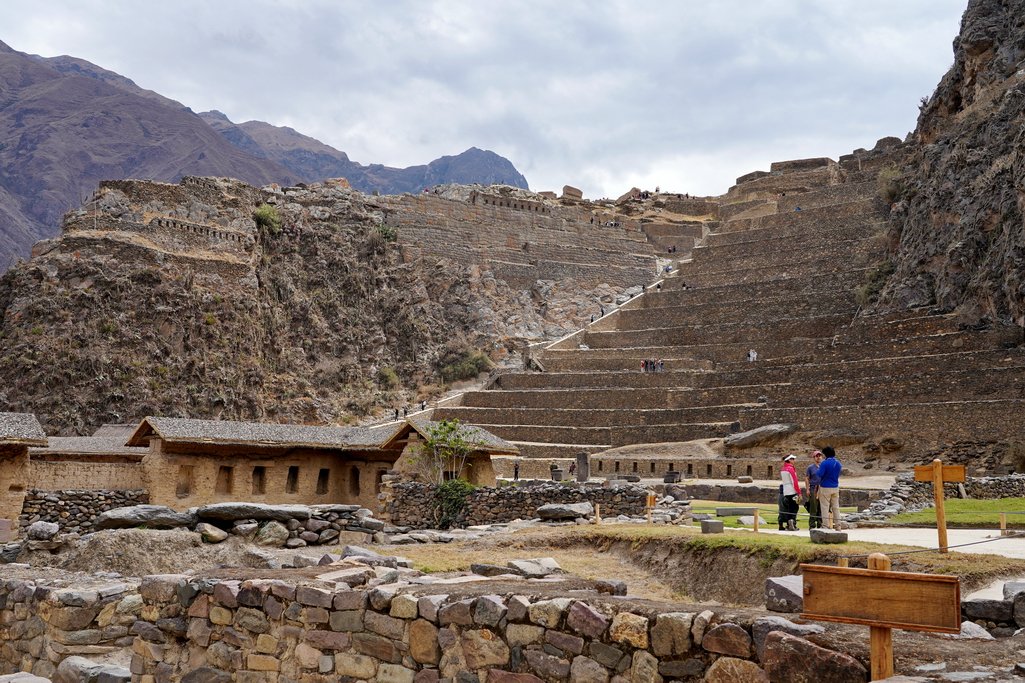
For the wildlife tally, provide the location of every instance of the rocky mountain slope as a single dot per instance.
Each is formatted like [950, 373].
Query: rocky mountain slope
[66, 124]
[311, 160]
[162, 299]
[959, 197]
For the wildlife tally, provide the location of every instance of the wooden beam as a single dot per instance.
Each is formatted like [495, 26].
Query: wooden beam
[881, 637]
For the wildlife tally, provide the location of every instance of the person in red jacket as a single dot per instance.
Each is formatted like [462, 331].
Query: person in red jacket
[791, 492]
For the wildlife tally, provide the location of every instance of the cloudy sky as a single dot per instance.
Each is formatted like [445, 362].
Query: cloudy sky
[601, 95]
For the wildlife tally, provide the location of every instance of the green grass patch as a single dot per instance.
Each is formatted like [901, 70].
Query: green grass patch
[768, 513]
[969, 513]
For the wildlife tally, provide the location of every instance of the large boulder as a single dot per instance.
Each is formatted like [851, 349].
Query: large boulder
[760, 436]
[763, 626]
[793, 659]
[227, 512]
[151, 516]
[82, 670]
[272, 534]
[560, 511]
[42, 531]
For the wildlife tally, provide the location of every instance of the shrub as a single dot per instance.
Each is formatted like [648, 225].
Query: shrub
[463, 364]
[388, 233]
[451, 501]
[209, 319]
[267, 219]
[890, 185]
[875, 280]
[387, 378]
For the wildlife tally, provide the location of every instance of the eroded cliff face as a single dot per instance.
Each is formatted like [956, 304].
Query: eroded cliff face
[162, 299]
[957, 224]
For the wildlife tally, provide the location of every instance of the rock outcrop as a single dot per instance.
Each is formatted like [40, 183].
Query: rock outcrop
[957, 222]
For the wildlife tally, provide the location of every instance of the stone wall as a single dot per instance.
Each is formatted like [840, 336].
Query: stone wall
[54, 475]
[42, 622]
[14, 468]
[75, 510]
[412, 504]
[269, 630]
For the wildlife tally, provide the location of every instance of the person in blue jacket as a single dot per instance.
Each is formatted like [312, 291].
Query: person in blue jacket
[829, 489]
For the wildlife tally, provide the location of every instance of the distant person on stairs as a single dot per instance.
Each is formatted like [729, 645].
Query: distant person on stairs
[829, 489]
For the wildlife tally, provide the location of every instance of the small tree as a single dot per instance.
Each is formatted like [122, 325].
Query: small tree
[444, 449]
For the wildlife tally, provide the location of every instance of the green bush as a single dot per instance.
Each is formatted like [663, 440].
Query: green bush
[388, 233]
[463, 364]
[889, 183]
[451, 500]
[387, 378]
[267, 218]
[875, 280]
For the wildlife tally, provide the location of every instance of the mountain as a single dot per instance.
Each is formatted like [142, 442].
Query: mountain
[66, 124]
[312, 160]
[64, 127]
[957, 225]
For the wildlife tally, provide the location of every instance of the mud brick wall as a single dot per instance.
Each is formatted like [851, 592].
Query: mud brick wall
[75, 510]
[43, 623]
[266, 630]
[412, 504]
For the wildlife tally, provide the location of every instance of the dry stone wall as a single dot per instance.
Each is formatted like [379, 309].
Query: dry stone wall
[269, 630]
[75, 510]
[412, 504]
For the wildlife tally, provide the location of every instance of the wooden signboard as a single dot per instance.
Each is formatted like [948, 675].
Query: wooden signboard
[954, 473]
[938, 473]
[882, 600]
[912, 602]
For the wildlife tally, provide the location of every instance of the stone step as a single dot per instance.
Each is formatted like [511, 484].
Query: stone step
[746, 332]
[750, 310]
[863, 225]
[689, 275]
[555, 451]
[772, 285]
[569, 398]
[634, 378]
[924, 423]
[617, 361]
[584, 417]
[861, 252]
[767, 241]
[619, 436]
[824, 216]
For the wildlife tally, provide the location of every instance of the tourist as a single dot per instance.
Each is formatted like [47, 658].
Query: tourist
[396, 413]
[423, 404]
[829, 489]
[516, 472]
[661, 365]
[811, 483]
[791, 490]
[405, 411]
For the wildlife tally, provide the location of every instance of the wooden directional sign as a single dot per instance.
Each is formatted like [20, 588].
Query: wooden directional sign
[912, 602]
[953, 473]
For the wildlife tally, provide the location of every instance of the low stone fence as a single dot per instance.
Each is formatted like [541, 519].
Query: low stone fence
[269, 630]
[42, 623]
[413, 504]
[75, 510]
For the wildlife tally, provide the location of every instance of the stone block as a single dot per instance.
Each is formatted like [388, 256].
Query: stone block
[734, 512]
[630, 629]
[788, 657]
[784, 593]
[1001, 611]
[484, 648]
[727, 639]
[670, 636]
[428, 606]
[488, 610]
[586, 670]
[763, 626]
[394, 673]
[731, 670]
[711, 526]
[423, 642]
[327, 640]
[586, 620]
[828, 536]
[1012, 588]
[549, 613]
[357, 666]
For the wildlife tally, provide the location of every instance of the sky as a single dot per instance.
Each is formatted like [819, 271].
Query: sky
[603, 95]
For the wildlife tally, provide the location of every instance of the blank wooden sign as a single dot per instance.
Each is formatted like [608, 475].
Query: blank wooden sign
[904, 600]
[954, 473]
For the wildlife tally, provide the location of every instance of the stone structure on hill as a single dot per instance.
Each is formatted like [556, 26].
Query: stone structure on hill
[336, 304]
[17, 433]
[785, 272]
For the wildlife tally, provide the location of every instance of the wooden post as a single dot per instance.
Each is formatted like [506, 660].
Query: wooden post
[756, 520]
[597, 513]
[937, 491]
[881, 637]
[843, 562]
[650, 506]
[1003, 523]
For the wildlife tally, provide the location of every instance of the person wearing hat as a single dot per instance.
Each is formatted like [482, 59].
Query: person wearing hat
[791, 489]
[811, 483]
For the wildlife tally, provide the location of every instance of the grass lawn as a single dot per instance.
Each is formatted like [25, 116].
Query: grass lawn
[768, 513]
[969, 513]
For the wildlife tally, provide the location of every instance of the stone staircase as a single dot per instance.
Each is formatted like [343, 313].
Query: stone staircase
[778, 275]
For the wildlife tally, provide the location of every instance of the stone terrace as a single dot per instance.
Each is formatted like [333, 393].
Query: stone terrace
[780, 280]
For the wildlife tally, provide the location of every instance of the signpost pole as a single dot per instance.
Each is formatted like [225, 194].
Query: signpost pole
[756, 520]
[880, 637]
[937, 492]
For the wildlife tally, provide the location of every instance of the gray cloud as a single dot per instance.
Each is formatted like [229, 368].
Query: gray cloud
[687, 95]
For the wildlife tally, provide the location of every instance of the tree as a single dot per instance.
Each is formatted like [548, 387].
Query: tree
[443, 452]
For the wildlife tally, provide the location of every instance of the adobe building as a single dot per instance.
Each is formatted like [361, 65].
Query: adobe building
[197, 462]
[18, 431]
